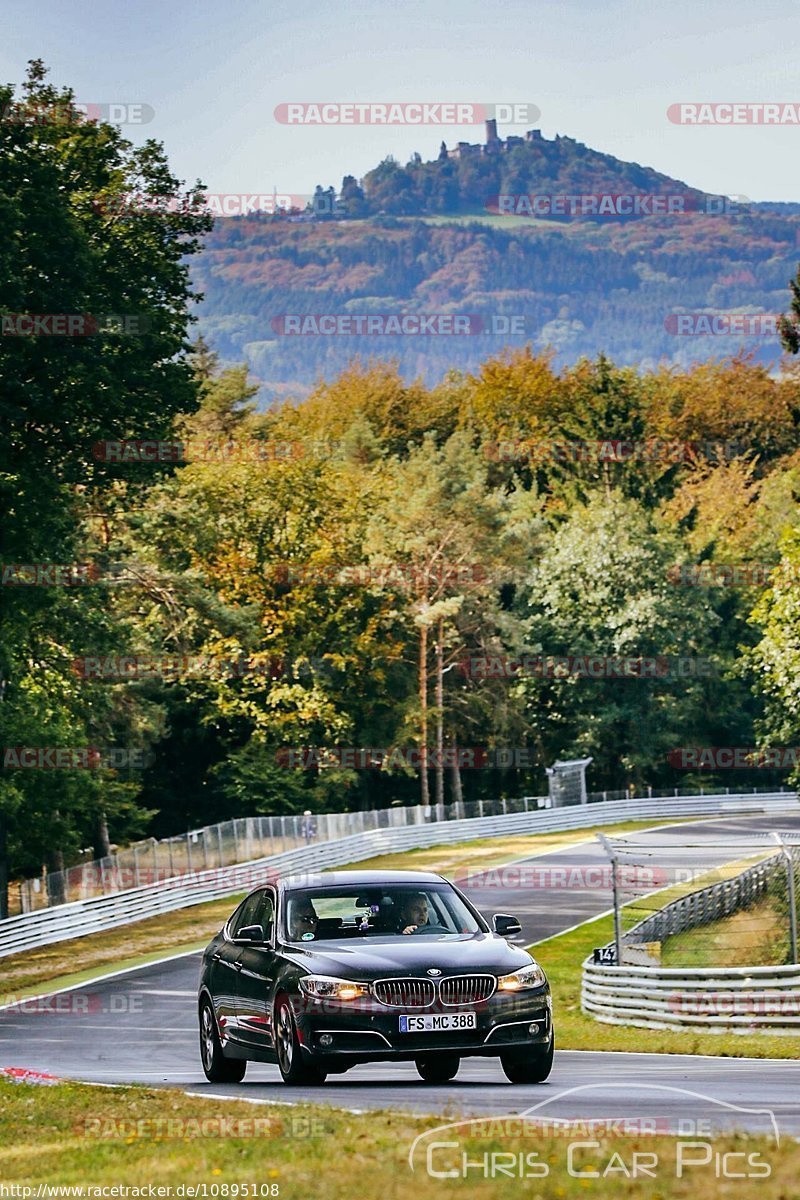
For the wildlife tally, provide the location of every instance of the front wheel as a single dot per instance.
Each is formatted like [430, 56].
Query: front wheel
[528, 1066]
[290, 1058]
[438, 1068]
[217, 1068]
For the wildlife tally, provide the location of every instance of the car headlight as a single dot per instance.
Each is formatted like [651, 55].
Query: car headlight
[527, 977]
[327, 987]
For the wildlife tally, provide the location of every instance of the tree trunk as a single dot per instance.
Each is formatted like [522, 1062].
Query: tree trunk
[425, 796]
[56, 893]
[455, 779]
[440, 713]
[102, 842]
[3, 869]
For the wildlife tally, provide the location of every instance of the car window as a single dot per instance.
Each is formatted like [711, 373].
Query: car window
[246, 913]
[390, 911]
[265, 914]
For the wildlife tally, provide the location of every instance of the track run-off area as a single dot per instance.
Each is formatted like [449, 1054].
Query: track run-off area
[140, 1026]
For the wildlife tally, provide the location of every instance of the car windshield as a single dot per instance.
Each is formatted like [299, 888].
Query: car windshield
[329, 914]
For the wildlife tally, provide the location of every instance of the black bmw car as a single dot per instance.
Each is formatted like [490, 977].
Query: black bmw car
[365, 966]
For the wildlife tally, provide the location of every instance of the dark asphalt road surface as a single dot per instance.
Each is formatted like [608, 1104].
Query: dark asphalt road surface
[141, 1026]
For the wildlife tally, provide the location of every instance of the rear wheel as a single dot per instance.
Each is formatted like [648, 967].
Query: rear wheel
[438, 1068]
[217, 1068]
[528, 1066]
[290, 1056]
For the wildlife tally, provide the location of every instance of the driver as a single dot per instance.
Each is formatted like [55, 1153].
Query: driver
[302, 917]
[413, 913]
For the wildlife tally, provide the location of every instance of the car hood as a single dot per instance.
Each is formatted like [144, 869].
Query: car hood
[367, 959]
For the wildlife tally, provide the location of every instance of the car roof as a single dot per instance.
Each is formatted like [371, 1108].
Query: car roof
[356, 879]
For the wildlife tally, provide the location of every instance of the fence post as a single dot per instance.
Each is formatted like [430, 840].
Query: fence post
[609, 849]
[787, 854]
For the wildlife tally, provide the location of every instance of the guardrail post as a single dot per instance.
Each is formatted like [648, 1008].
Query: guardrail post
[609, 849]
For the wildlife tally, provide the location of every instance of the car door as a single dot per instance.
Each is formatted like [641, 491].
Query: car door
[225, 968]
[256, 974]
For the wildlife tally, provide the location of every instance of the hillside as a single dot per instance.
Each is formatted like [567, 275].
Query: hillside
[427, 238]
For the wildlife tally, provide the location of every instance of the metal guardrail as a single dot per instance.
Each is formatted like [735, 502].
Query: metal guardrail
[699, 998]
[231, 842]
[707, 904]
[694, 998]
[99, 913]
[247, 838]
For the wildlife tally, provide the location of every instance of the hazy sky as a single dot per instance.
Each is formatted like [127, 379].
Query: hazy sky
[602, 71]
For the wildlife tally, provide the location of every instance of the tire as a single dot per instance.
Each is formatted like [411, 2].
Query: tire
[528, 1066]
[438, 1068]
[217, 1068]
[287, 1044]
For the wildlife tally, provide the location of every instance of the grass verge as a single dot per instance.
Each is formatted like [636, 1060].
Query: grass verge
[73, 1134]
[82, 959]
[562, 957]
[755, 937]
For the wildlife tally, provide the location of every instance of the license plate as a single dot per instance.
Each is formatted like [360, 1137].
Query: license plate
[430, 1023]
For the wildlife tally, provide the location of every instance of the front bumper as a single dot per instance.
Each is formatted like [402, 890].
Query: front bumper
[367, 1031]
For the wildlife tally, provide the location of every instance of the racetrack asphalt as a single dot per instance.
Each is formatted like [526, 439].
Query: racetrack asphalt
[141, 1026]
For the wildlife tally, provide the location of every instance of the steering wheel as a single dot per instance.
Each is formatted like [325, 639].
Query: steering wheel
[430, 929]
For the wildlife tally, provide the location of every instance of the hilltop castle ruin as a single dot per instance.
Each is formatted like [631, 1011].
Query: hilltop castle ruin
[495, 144]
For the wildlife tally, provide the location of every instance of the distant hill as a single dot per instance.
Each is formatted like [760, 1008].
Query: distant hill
[432, 238]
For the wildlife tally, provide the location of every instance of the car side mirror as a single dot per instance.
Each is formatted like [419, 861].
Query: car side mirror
[252, 934]
[505, 925]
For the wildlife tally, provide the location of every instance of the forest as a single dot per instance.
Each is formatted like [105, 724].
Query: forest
[378, 590]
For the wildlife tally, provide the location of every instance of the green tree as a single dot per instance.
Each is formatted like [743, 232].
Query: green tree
[72, 246]
[602, 588]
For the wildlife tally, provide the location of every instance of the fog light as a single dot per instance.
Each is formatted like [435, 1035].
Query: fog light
[533, 1027]
[325, 1039]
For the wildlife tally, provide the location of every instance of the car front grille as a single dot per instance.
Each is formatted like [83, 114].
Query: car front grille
[466, 989]
[404, 993]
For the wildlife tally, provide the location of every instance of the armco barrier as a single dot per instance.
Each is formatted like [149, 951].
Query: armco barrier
[82, 917]
[725, 999]
[708, 904]
[698, 998]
